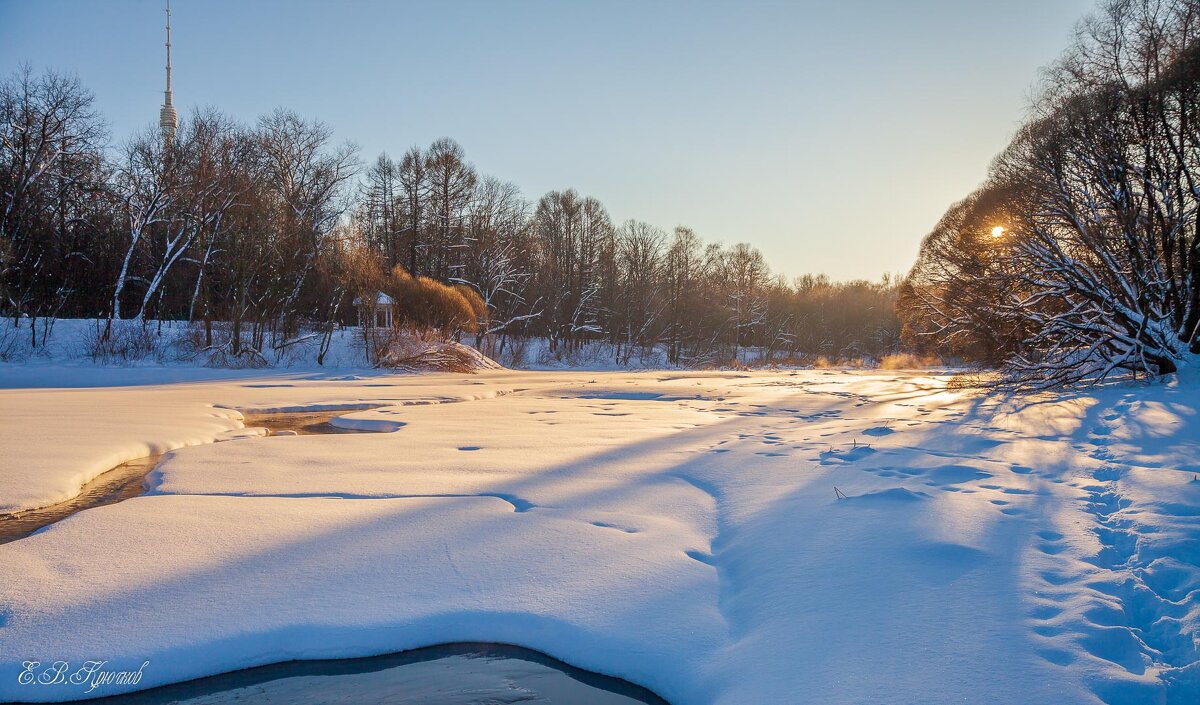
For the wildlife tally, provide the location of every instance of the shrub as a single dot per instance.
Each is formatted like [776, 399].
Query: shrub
[121, 341]
[13, 341]
[479, 308]
[426, 304]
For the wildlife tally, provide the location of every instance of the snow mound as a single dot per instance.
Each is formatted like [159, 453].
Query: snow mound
[436, 355]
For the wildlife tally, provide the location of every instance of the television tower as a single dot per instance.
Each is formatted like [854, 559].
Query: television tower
[168, 119]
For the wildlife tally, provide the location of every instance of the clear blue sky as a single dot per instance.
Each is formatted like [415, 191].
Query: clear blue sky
[832, 135]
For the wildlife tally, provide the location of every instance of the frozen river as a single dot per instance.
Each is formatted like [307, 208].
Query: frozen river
[714, 537]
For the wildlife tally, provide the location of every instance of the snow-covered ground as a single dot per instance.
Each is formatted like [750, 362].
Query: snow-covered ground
[172, 345]
[178, 345]
[679, 529]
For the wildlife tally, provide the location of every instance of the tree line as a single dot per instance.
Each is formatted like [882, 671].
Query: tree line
[265, 234]
[1079, 257]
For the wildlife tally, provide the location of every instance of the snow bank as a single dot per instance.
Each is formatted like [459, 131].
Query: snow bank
[180, 346]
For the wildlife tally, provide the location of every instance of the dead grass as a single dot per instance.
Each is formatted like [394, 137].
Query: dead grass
[908, 361]
[895, 361]
[972, 381]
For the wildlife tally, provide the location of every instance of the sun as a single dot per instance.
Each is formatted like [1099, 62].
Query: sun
[998, 231]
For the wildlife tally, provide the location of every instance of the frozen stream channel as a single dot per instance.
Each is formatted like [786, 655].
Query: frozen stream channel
[129, 479]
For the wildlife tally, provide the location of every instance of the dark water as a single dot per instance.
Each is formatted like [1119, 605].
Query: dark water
[455, 674]
[128, 479]
[304, 423]
[120, 483]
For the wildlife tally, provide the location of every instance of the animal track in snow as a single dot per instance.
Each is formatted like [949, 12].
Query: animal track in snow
[1141, 620]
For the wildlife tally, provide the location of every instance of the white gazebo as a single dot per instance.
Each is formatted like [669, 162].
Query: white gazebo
[376, 312]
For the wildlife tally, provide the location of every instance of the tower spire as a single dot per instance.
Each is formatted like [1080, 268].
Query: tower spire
[168, 119]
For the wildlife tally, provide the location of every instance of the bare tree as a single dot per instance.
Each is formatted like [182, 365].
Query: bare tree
[382, 208]
[451, 185]
[50, 138]
[640, 253]
[496, 232]
[414, 182]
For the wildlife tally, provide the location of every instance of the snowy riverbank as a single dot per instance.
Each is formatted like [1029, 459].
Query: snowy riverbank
[677, 529]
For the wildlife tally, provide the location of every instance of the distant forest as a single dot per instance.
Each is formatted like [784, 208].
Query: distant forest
[1079, 258]
[264, 234]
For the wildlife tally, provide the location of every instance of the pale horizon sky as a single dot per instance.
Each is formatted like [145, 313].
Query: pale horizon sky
[831, 136]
